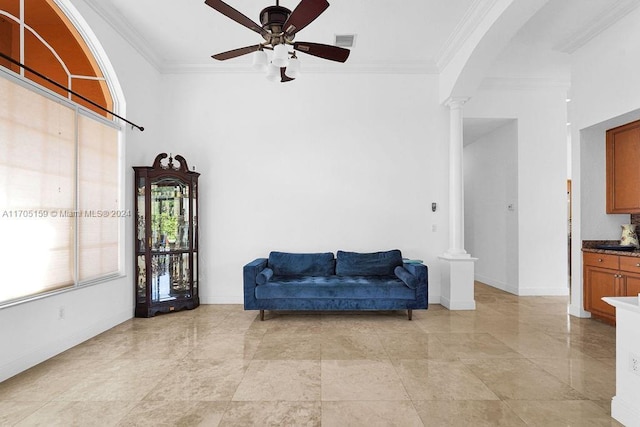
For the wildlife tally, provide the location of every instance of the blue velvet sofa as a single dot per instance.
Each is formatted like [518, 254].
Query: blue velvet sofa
[350, 281]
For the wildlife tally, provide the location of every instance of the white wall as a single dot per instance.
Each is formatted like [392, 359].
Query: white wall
[605, 94]
[326, 162]
[491, 185]
[542, 176]
[32, 332]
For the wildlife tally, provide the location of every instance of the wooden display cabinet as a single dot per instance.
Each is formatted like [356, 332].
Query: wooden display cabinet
[166, 236]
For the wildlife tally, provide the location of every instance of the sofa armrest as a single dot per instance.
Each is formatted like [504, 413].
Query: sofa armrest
[422, 287]
[250, 273]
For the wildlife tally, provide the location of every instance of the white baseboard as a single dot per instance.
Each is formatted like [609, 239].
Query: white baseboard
[224, 299]
[544, 292]
[523, 292]
[497, 284]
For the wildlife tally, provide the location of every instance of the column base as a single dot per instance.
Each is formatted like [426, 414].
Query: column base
[457, 274]
[578, 311]
[456, 254]
[624, 411]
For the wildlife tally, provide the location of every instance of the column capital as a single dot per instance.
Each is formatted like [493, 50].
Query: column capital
[454, 102]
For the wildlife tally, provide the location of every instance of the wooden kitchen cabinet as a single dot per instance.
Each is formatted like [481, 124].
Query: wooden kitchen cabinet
[608, 275]
[630, 268]
[633, 286]
[623, 173]
[600, 278]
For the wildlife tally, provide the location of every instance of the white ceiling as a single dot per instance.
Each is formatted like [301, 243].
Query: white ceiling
[543, 46]
[188, 32]
[408, 36]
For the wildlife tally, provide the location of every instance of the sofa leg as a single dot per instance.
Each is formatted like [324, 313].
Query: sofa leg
[409, 313]
[261, 315]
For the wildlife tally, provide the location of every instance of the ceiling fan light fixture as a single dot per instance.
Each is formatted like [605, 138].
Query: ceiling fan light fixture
[280, 55]
[259, 61]
[293, 70]
[273, 72]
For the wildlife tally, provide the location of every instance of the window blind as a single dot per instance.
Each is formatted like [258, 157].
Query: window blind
[59, 185]
[98, 199]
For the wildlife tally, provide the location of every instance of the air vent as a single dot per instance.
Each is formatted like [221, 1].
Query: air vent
[345, 40]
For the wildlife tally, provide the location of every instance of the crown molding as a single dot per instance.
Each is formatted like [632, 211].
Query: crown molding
[406, 67]
[123, 27]
[604, 20]
[472, 18]
[524, 83]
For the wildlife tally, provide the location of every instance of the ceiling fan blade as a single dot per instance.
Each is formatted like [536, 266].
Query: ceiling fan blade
[332, 53]
[304, 14]
[235, 53]
[232, 13]
[283, 77]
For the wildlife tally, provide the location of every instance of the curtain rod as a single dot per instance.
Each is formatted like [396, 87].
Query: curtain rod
[53, 82]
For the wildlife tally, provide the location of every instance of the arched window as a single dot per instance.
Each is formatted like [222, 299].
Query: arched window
[38, 34]
[61, 214]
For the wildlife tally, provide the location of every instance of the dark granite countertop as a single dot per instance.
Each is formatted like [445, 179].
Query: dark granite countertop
[590, 246]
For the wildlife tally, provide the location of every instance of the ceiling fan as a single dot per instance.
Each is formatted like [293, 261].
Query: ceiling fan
[279, 27]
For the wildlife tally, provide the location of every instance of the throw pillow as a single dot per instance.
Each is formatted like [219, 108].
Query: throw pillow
[293, 264]
[368, 264]
[409, 279]
[264, 276]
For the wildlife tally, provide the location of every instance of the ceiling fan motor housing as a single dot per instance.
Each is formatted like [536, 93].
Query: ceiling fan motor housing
[273, 18]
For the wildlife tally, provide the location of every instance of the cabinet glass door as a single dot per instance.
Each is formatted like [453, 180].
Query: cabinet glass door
[169, 215]
[141, 239]
[141, 222]
[170, 277]
[141, 286]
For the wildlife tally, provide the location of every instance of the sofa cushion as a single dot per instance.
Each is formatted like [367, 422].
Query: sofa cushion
[338, 287]
[368, 264]
[294, 264]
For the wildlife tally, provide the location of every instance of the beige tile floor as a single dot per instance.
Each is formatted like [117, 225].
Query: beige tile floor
[512, 362]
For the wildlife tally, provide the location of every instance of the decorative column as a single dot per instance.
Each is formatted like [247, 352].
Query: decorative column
[457, 265]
